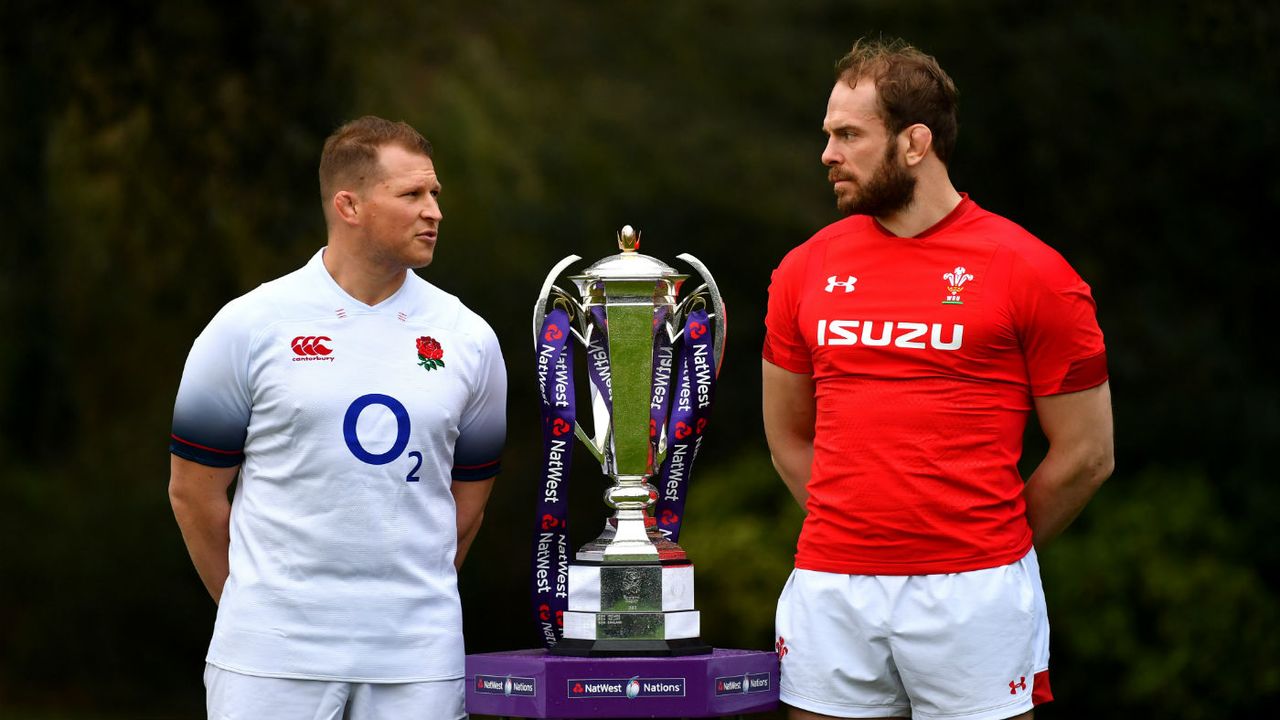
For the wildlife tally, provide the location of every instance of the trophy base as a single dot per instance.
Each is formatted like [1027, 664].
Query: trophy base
[610, 647]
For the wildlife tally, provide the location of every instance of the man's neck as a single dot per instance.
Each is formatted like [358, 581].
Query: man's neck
[934, 200]
[362, 280]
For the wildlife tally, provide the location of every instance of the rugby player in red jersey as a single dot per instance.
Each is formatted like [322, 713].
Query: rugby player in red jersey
[905, 347]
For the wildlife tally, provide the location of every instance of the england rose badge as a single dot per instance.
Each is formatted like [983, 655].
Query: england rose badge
[430, 354]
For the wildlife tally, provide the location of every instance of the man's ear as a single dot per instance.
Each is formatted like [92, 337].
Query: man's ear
[346, 205]
[916, 140]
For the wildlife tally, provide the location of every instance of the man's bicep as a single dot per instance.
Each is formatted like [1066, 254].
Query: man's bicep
[188, 475]
[470, 496]
[1082, 417]
[788, 402]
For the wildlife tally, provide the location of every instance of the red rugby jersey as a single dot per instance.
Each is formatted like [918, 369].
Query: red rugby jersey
[925, 354]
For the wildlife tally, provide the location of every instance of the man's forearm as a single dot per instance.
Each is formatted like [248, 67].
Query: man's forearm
[465, 536]
[1060, 488]
[469, 499]
[206, 529]
[794, 466]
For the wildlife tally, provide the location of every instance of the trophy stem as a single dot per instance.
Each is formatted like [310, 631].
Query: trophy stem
[631, 535]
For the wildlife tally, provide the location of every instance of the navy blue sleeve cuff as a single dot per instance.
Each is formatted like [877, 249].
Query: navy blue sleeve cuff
[470, 473]
[203, 455]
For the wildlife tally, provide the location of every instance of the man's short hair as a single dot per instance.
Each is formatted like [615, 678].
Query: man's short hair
[912, 88]
[350, 155]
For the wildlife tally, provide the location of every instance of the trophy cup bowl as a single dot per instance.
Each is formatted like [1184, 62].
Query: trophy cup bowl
[631, 590]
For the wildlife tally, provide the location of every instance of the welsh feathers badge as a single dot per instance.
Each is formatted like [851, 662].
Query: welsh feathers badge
[430, 354]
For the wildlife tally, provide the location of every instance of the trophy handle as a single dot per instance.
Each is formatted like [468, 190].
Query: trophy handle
[717, 305]
[594, 446]
[540, 309]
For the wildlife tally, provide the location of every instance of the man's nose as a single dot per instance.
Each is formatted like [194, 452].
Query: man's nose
[829, 154]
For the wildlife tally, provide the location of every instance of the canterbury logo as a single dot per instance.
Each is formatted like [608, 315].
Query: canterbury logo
[910, 335]
[311, 346]
[832, 284]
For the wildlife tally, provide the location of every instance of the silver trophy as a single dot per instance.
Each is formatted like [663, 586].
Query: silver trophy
[631, 590]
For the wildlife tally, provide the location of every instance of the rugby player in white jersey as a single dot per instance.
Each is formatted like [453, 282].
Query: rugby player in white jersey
[363, 412]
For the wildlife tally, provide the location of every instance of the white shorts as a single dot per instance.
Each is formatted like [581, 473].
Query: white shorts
[235, 696]
[959, 646]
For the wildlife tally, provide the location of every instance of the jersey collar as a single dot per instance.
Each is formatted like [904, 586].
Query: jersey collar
[316, 266]
[956, 213]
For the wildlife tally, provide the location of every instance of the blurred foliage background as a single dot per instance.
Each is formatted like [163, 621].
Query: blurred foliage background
[159, 159]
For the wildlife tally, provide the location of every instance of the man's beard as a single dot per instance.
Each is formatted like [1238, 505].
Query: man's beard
[889, 189]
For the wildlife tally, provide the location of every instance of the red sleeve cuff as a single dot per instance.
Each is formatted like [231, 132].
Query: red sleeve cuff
[800, 367]
[1082, 374]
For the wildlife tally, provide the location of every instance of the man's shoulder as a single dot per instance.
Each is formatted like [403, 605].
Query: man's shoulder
[1028, 249]
[270, 300]
[853, 227]
[842, 230]
[446, 309]
[294, 295]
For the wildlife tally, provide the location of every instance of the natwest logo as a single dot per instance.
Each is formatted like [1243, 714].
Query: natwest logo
[874, 333]
[311, 347]
[506, 685]
[631, 688]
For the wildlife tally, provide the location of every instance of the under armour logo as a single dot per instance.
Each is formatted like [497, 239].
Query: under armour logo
[1019, 684]
[833, 283]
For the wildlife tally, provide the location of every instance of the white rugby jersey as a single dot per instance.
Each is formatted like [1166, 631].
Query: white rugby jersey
[349, 423]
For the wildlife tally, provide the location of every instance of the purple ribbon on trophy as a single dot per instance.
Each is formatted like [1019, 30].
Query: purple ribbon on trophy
[551, 534]
[695, 390]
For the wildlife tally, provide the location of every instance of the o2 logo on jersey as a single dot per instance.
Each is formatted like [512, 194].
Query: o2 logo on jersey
[402, 433]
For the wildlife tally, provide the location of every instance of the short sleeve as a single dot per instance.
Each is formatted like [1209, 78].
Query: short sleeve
[1058, 327]
[784, 346]
[211, 413]
[482, 430]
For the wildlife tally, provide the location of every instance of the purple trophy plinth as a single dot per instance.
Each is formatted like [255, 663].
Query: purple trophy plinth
[536, 684]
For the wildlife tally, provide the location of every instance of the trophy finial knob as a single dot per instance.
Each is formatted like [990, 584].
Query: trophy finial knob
[628, 239]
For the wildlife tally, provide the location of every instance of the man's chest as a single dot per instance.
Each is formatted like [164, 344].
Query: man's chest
[907, 313]
[348, 374]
